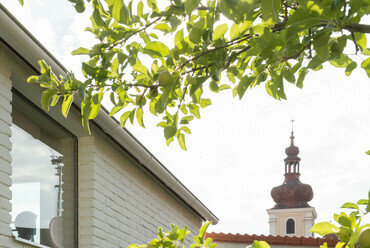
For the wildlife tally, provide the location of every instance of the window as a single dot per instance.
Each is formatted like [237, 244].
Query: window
[290, 226]
[44, 172]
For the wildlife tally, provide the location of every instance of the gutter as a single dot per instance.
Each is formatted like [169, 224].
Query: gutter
[31, 50]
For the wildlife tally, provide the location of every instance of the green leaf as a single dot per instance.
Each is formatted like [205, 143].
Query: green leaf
[361, 40]
[139, 117]
[341, 62]
[195, 35]
[97, 20]
[182, 233]
[67, 102]
[350, 68]
[115, 109]
[185, 129]
[181, 140]
[156, 49]
[260, 244]
[132, 116]
[169, 131]
[321, 45]
[350, 205]
[219, 31]
[366, 66]
[238, 30]
[186, 119]
[302, 74]
[345, 221]
[368, 152]
[363, 202]
[33, 79]
[191, 5]
[46, 96]
[119, 11]
[270, 11]
[324, 228]
[124, 118]
[344, 233]
[90, 70]
[288, 75]
[133, 246]
[140, 7]
[80, 50]
[21, 1]
[243, 85]
[141, 68]
[205, 102]
[194, 109]
[203, 230]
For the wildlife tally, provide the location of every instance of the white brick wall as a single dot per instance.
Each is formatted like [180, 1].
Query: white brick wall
[6, 240]
[119, 203]
[5, 148]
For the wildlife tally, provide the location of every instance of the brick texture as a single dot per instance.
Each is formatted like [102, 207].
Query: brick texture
[6, 240]
[120, 204]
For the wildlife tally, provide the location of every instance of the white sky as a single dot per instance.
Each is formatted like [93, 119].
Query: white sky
[235, 154]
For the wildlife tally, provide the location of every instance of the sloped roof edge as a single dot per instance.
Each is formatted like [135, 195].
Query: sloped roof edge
[272, 240]
[14, 34]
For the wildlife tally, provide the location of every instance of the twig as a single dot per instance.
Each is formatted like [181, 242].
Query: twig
[182, 98]
[197, 69]
[137, 31]
[142, 85]
[354, 41]
[299, 53]
[230, 43]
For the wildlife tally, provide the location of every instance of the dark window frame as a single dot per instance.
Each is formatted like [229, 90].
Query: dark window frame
[19, 102]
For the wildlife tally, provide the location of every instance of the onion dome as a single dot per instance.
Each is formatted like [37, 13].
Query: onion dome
[292, 193]
[292, 151]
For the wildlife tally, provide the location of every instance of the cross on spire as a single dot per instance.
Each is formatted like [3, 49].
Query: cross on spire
[292, 121]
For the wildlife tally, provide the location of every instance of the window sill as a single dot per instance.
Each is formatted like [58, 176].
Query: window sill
[30, 242]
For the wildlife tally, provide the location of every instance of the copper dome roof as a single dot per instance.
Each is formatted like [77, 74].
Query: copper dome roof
[292, 193]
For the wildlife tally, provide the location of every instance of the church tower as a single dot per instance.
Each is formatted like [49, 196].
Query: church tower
[292, 215]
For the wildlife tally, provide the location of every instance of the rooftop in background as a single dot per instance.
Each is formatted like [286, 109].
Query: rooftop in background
[272, 240]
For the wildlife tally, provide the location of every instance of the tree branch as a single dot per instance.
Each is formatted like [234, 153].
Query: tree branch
[299, 53]
[137, 31]
[230, 43]
[142, 85]
[359, 28]
[198, 69]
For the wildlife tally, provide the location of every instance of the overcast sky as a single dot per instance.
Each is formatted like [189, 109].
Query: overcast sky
[235, 154]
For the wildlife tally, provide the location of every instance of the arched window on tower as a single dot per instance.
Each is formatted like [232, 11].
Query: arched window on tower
[290, 226]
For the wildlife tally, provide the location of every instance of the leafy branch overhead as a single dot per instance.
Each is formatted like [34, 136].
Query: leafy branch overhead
[160, 57]
[350, 232]
[176, 237]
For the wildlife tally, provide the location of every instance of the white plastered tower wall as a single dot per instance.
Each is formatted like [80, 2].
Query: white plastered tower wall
[304, 219]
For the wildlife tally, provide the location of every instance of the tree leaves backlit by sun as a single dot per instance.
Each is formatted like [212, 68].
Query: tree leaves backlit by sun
[203, 46]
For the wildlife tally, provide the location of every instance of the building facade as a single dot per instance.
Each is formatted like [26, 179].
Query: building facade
[60, 187]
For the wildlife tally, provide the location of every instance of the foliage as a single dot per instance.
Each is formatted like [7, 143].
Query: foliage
[175, 239]
[349, 224]
[210, 45]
